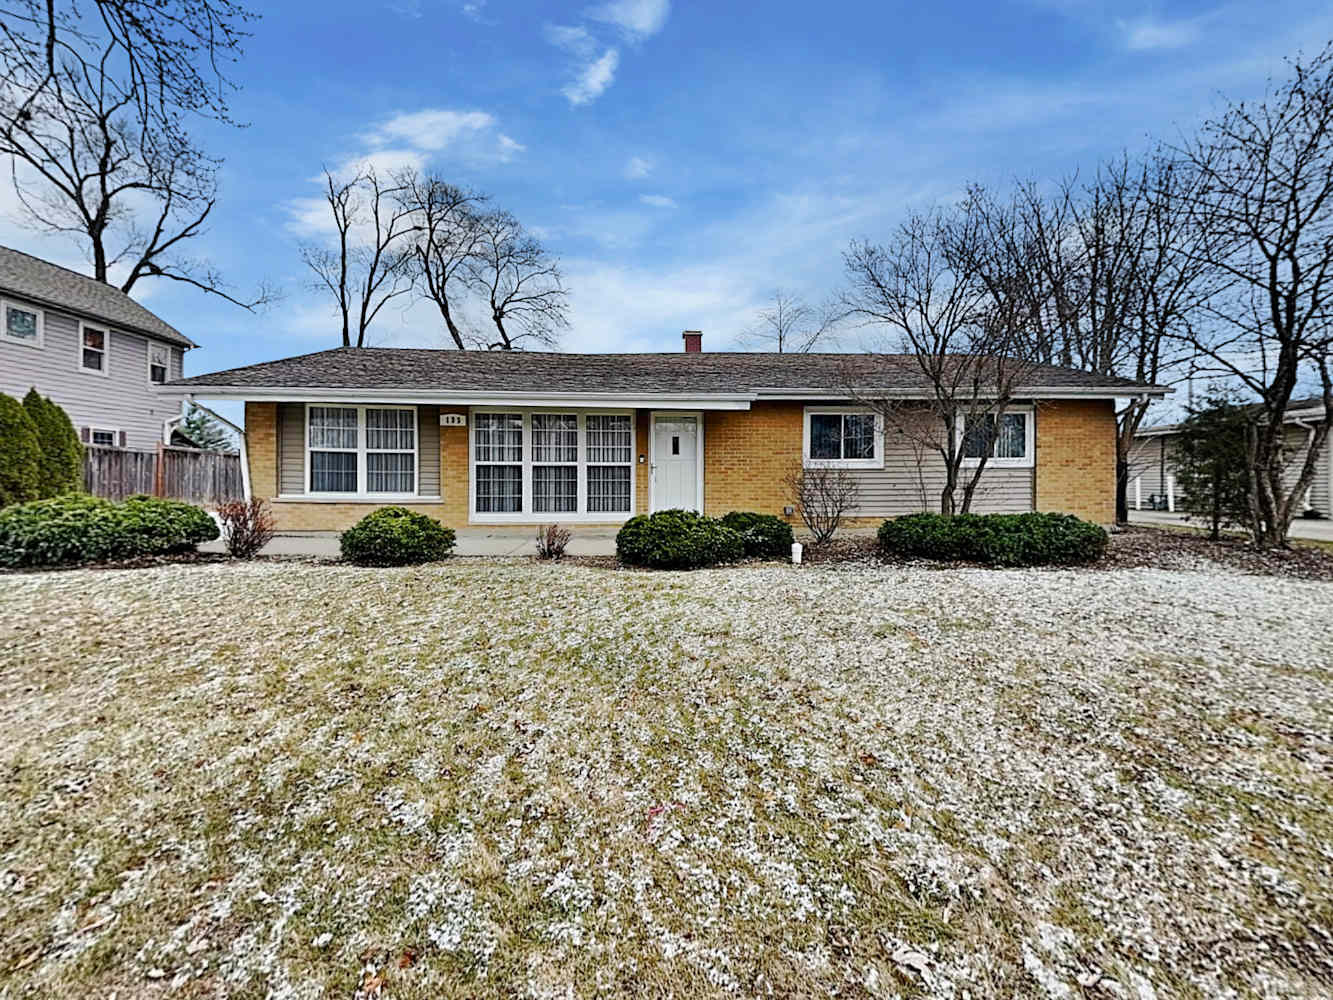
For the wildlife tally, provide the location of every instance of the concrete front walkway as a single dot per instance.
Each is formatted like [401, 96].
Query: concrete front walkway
[472, 541]
[1318, 530]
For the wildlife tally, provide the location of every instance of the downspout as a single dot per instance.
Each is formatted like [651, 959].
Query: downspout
[1309, 443]
[240, 434]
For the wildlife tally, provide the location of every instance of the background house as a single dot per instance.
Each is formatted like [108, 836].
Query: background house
[90, 348]
[1153, 456]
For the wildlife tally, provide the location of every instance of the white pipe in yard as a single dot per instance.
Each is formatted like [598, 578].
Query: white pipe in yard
[796, 550]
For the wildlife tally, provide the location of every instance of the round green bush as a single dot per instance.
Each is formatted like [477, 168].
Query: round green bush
[995, 539]
[76, 529]
[60, 462]
[396, 536]
[20, 454]
[677, 539]
[765, 536]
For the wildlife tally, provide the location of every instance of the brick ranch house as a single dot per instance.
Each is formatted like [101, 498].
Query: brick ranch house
[501, 438]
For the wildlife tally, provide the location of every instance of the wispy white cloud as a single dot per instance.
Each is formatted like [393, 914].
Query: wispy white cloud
[431, 128]
[638, 19]
[638, 168]
[657, 200]
[592, 81]
[475, 10]
[1146, 33]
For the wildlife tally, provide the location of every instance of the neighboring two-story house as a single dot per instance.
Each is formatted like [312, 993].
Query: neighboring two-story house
[90, 348]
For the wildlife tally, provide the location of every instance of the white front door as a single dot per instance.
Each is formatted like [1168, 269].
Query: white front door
[675, 458]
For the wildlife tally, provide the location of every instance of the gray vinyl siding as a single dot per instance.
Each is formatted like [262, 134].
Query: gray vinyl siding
[428, 451]
[1146, 465]
[1297, 442]
[291, 449]
[121, 400]
[913, 477]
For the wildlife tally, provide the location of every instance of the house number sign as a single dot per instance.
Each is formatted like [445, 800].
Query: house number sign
[453, 420]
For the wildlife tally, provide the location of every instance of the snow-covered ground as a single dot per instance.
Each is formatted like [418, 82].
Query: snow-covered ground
[512, 779]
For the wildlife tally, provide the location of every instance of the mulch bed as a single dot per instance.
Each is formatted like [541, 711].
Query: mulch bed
[1160, 548]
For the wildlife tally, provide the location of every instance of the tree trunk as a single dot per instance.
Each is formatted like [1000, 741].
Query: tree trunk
[1121, 486]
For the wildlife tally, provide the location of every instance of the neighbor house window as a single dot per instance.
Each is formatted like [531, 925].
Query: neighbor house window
[159, 357]
[391, 451]
[1006, 441]
[498, 445]
[333, 440]
[559, 466]
[23, 324]
[610, 462]
[555, 463]
[850, 438]
[103, 438]
[92, 349]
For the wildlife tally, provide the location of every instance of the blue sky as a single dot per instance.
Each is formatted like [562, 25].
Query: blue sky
[685, 159]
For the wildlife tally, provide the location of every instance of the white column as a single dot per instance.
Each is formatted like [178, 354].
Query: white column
[1171, 493]
[1138, 493]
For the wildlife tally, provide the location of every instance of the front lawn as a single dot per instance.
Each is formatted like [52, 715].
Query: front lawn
[489, 779]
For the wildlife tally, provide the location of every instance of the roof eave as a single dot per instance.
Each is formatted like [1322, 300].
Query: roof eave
[1034, 392]
[64, 307]
[318, 394]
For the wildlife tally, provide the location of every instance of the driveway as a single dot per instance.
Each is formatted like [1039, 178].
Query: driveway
[1312, 530]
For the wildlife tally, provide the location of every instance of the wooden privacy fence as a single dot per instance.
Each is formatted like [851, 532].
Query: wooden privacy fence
[189, 474]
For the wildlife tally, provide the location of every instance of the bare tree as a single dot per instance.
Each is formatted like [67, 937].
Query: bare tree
[951, 292]
[520, 282]
[822, 496]
[445, 240]
[1120, 268]
[369, 265]
[93, 114]
[1265, 189]
[789, 325]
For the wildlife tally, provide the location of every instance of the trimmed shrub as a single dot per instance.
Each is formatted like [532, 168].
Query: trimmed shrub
[677, 539]
[75, 529]
[20, 454]
[396, 536]
[60, 458]
[765, 536]
[995, 539]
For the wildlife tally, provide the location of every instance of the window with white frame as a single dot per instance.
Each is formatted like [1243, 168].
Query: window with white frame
[92, 349]
[102, 437]
[610, 462]
[498, 462]
[159, 360]
[332, 442]
[533, 465]
[391, 450]
[555, 463]
[849, 438]
[1006, 442]
[22, 324]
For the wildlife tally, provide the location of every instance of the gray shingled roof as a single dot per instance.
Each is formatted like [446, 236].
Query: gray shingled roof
[531, 372]
[61, 289]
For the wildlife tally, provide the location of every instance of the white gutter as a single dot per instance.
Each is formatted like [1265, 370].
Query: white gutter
[240, 434]
[1035, 392]
[305, 394]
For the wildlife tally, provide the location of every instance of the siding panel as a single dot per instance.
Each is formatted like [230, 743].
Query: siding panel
[120, 400]
[291, 448]
[428, 451]
[913, 476]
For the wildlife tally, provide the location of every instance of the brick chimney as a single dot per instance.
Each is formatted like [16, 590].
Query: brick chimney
[694, 341]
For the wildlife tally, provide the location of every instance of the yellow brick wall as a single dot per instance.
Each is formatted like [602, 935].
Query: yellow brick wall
[261, 445]
[1076, 458]
[747, 454]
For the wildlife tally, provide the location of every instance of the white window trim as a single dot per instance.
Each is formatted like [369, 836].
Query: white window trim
[362, 478]
[1029, 442]
[527, 515]
[4, 323]
[875, 462]
[698, 457]
[113, 431]
[148, 371]
[106, 349]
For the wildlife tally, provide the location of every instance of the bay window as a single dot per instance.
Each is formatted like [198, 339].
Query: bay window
[361, 450]
[568, 466]
[844, 438]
